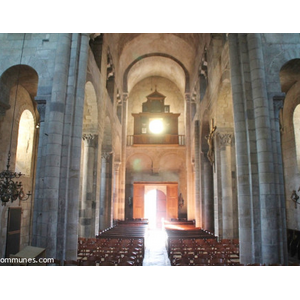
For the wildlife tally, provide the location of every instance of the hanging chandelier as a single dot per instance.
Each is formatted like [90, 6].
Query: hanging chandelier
[11, 190]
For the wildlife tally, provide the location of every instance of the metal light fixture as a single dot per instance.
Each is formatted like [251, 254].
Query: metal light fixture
[11, 190]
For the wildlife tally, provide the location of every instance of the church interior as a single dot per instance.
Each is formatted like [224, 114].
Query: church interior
[110, 138]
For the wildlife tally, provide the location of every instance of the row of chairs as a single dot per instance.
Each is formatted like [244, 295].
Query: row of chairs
[111, 251]
[203, 252]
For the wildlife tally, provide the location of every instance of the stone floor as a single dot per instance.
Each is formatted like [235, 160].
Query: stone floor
[155, 250]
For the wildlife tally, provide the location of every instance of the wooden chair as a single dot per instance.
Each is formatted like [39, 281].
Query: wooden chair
[127, 263]
[218, 262]
[201, 262]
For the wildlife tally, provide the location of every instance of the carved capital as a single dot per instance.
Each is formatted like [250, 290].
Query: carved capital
[278, 102]
[41, 107]
[117, 166]
[125, 97]
[225, 139]
[106, 156]
[89, 139]
[187, 97]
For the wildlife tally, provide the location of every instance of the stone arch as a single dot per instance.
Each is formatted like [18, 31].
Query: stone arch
[90, 112]
[107, 142]
[224, 115]
[171, 161]
[22, 75]
[25, 142]
[165, 86]
[289, 74]
[296, 123]
[18, 87]
[290, 84]
[292, 101]
[186, 74]
[139, 162]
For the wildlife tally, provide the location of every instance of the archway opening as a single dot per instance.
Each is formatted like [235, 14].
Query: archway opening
[150, 208]
[155, 208]
[296, 121]
[25, 143]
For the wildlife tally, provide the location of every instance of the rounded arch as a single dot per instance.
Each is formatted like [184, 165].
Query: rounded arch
[161, 55]
[139, 162]
[171, 161]
[23, 75]
[296, 122]
[25, 142]
[289, 74]
[107, 136]
[90, 112]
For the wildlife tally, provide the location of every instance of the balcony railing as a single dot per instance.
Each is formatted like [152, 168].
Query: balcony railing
[150, 139]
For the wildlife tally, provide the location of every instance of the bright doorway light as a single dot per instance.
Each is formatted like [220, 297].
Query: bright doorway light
[150, 208]
[156, 126]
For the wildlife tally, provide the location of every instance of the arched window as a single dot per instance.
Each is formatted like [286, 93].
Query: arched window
[25, 143]
[296, 121]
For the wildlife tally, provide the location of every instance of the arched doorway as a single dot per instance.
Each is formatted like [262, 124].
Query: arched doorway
[159, 199]
[155, 208]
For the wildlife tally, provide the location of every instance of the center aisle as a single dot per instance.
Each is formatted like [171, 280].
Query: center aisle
[155, 248]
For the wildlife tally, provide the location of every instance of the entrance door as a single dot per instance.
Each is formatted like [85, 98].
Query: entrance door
[172, 201]
[160, 208]
[138, 201]
[167, 206]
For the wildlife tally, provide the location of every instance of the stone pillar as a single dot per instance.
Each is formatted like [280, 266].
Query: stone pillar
[237, 56]
[226, 182]
[278, 106]
[86, 226]
[74, 135]
[268, 198]
[198, 208]
[54, 120]
[190, 186]
[123, 158]
[38, 195]
[105, 190]
[208, 195]
[115, 203]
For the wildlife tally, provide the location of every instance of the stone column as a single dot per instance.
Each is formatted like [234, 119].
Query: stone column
[278, 106]
[241, 145]
[115, 203]
[38, 195]
[198, 208]
[226, 182]
[190, 198]
[208, 195]
[123, 159]
[74, 135]
[86, 225]
[105, 190]
[268, 198]
[54, 119]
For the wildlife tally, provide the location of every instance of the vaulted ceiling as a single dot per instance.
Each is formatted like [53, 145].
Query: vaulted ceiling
[169, 55]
